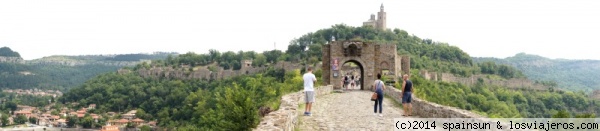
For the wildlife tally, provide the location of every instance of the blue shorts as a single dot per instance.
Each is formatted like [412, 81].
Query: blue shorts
[406, 97]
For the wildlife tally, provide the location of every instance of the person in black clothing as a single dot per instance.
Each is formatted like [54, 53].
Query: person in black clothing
[346, 81]
[407, 89]
[351, 81]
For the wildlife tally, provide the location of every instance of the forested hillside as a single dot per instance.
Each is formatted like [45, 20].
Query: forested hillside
[48, 77]
[501, 102]
[51, 73]
[7, 52]
[232, 104]
[577, 75]
[425, 53]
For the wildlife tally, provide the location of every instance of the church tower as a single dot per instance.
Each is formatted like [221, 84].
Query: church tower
[381, 19]
[380, 22]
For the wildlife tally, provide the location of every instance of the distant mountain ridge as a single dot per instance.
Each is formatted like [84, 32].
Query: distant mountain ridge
[580, 75]
[61, 72]
[109, 60]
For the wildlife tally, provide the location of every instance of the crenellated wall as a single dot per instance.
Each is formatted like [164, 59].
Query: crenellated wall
[427, 109]
[286, 118]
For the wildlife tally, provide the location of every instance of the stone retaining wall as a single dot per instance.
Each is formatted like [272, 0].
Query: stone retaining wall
[286, 117]
[427, 109]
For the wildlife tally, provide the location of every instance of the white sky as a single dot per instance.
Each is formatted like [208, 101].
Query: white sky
[482, 28]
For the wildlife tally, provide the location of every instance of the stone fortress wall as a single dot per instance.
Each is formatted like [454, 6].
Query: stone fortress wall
[373, 58]
[510, 83]
[186, 72]
[286, 118]
[427, 109]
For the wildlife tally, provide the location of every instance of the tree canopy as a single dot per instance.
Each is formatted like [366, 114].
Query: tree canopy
[5, 51]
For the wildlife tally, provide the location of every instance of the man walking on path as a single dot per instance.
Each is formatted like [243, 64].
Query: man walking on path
[407, 86]
[309, 91]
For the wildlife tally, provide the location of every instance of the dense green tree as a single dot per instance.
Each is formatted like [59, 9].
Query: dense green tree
[20, 119]
[4, 120]
[72, 121]
[145, 128]
[259, 60]
[215, 55]
[273, 55]
[241, 110]
[87, 121]
[33, 120]
[12, 106]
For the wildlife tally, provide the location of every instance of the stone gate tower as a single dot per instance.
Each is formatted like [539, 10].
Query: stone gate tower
[371, 58]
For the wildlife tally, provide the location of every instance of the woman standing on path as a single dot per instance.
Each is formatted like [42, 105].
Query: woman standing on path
[379, 87]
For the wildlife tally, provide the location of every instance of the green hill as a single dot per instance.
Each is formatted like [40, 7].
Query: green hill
[232, 104]
[7, 52]
[577, 75]
[63, 72]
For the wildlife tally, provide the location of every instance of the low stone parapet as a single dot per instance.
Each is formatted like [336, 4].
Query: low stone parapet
[286, 117]
[427, 109]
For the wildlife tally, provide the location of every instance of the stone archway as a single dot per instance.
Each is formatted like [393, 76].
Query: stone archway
[368, 55]
[361, 72]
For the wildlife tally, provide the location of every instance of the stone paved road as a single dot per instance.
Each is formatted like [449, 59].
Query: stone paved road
[349, 111]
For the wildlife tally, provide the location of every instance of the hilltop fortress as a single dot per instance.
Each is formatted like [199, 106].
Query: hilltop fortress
[380, 22]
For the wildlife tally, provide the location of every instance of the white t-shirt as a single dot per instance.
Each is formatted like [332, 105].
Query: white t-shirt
[309, 80]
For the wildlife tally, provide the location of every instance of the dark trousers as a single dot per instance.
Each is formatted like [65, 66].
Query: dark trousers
[379, 102]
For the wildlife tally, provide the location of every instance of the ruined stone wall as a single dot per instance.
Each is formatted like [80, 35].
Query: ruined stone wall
[399, 66]
[387, 60]
[367, 60]
[287, 66]
[427, 109]
[286, 118]
[373, 58]
[326, 66]
[201, 73]
[405, 64]
[432, 76]
[510, 83]
[185, 72]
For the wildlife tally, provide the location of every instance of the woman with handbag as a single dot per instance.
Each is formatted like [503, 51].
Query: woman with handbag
[379, 87]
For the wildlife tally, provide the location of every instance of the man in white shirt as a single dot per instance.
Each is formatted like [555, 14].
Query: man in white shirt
[309, 82]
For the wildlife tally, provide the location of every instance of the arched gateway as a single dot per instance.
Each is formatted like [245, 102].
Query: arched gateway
[370, 58]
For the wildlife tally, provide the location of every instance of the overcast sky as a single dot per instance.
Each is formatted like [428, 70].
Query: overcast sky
[482, 28]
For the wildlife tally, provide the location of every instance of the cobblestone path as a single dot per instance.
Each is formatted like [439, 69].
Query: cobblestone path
[349, 111]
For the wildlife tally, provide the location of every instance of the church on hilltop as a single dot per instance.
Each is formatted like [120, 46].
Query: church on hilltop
[378, 23]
